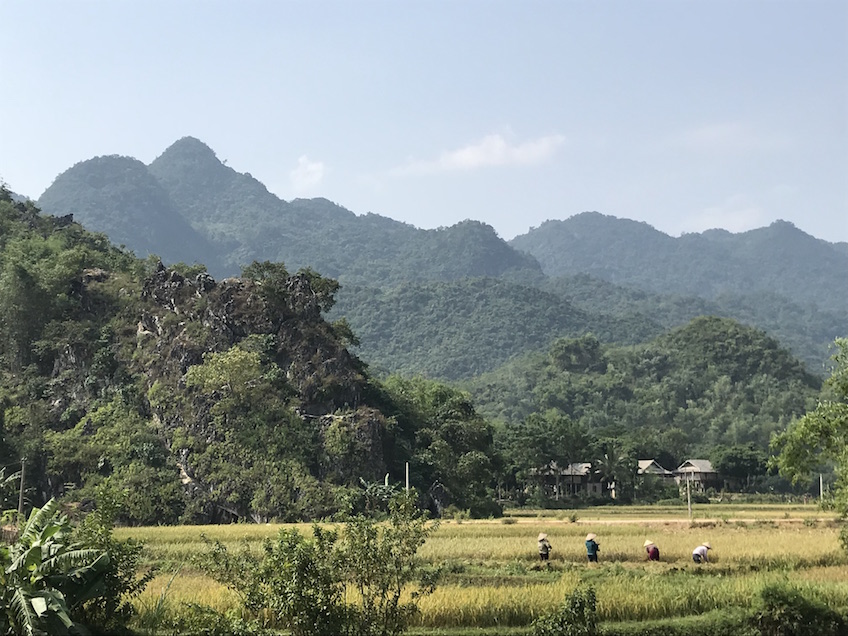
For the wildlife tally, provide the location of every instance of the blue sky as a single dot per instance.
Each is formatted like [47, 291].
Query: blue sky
[687, 115]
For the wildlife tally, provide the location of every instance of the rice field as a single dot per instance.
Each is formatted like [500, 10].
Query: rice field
[492, 577]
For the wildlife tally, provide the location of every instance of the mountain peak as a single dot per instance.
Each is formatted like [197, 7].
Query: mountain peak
[190, 148]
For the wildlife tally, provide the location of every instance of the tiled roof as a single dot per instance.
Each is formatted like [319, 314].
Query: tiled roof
[696, 466]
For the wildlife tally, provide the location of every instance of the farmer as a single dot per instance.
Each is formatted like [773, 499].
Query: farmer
[699, 554]
[592, 547]
[544, 547]
[652, 550]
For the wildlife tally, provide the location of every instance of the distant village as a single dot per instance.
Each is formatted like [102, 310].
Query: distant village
[698, 475]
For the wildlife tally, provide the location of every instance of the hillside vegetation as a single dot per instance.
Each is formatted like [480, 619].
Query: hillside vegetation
[709, 385]
[778, 259]
[628, 280]
[215, 400]
[206, 400]
[457, 330]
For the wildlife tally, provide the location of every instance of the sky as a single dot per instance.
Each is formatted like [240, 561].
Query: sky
[685, 114]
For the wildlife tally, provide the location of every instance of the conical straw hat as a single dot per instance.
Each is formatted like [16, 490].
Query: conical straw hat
[590, 536]
[647, 543]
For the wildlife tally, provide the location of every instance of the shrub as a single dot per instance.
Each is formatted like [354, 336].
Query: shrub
[199, 620]
[293, 580]
[577, 616]
[110, 612]
[782, 610]
[302, 583]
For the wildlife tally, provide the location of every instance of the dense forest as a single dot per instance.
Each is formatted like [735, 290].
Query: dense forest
[621, 280]
[237, 399]
[695, 391]
[207, 400]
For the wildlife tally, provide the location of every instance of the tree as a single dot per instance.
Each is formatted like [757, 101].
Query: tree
[380, 562]
[452, 446]
[739, 463]
[543, 438]
[617, 472]
[821, 436]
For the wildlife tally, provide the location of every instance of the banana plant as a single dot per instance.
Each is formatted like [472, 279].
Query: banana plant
[45, 576]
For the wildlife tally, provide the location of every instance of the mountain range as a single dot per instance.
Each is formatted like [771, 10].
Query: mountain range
[458, 301]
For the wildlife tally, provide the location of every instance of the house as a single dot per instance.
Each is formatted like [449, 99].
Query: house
[651, 467]
[699, 474]
[574, 479]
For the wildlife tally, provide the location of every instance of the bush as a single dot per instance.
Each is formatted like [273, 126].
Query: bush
[302, 584]
[199, 620]
[719, 623]
[782, 610]
[577, 616]
[110, 612]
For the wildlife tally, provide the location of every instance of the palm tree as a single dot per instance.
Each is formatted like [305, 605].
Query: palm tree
[616, 472]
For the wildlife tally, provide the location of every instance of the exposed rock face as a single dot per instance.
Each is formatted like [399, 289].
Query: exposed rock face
[187, 318]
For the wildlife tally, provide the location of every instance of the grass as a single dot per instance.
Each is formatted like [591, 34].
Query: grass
[492, 579]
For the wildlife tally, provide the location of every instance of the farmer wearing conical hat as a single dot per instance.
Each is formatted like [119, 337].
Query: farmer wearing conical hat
[544, 547]
[652, 550]
[592, 547]
[699, 554]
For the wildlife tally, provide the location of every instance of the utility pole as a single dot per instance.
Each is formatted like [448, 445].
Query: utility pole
[407, 476]
[21, 495]
[689, 496]
[821, 488]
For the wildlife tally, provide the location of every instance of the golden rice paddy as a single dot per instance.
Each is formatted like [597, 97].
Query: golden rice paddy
[491, 574]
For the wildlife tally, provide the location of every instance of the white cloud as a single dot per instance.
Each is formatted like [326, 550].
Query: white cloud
[307, 175]
[492, 150]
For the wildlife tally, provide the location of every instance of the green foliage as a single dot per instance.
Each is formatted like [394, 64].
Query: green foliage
[577, 616]
[115, 442]
[739, 463]
[726, 622]
[617, 471]
[110, 612]
[782, 610]
[452, 446]
[543, 438]
[779, 258]
[380, 563]
[200, 620]
[302, 583]
[458, 329]
[711, 383]
[47, 577]
[819, 436]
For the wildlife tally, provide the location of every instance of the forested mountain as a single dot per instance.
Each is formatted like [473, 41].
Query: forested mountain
[206, 400]
[408, 293]
[778, 259]
[242, 222]
[806, 330]
[236, 399]
[119, 197]
[710, 383]
[457, 330]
